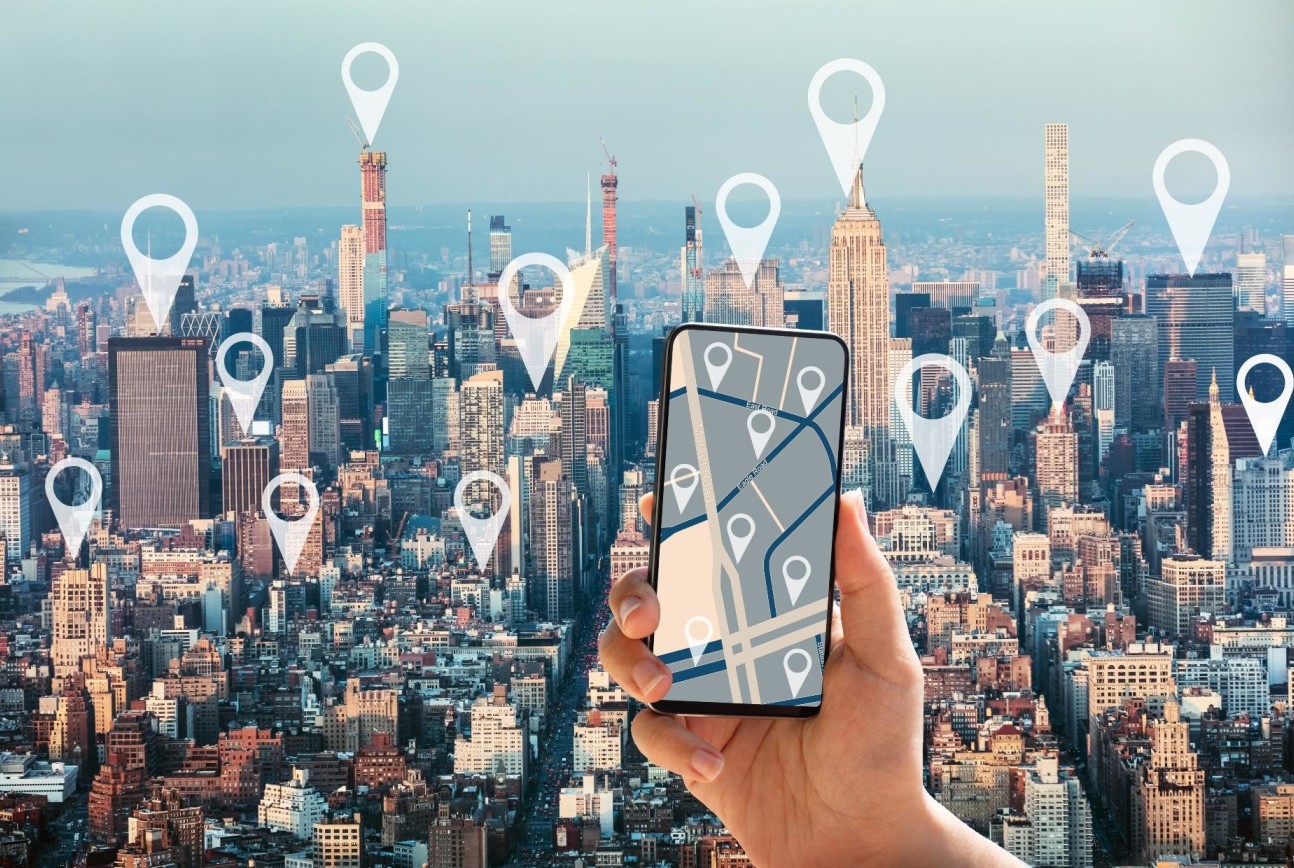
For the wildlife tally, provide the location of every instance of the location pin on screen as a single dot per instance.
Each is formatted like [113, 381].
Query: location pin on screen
[748, 243]
[1192, 224]
[482, 533]
[797, 664]
[370, 105]
[291, 535]
[74, 519]
[698, 631]
[682, 481]
[718, 356]
[536, 337]
[1058, 369]
[159, 279]
[1265, 416]
[846, 144]
[245, 395]
[932, 439]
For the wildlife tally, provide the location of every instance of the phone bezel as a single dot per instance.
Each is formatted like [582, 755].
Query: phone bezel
[737, 709]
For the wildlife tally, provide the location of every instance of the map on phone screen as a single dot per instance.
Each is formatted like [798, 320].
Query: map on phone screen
[748, 494]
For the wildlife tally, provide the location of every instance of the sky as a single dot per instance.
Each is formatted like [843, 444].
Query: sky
[240, 105]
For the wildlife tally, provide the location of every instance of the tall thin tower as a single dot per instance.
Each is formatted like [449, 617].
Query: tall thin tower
[858, 309]
[609, 183]
[619, 343]
[693, 278]
[1056, 207]
[372, 166]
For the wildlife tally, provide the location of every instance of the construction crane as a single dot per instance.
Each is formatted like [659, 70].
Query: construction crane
[359, 134]
[611, 160]
[1100, 248]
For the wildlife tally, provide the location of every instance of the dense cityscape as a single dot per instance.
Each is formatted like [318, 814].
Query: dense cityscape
[339, 603]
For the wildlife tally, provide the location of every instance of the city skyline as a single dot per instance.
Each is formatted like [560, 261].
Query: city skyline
[351, 586]
[263, 102]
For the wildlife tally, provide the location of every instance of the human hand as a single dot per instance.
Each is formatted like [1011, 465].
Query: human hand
[840, 788]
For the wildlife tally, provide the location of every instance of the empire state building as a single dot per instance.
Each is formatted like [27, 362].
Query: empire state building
[858, 309]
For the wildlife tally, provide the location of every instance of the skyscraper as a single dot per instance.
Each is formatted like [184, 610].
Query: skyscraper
[729, 301]
[1287, 277]
[408, 342]
[693, 279]
[993, 416]
[15, 508]
[294, 432]
[574, 435]
[609, 184]
[500, 248]
[1056, 460]
[1251, 281]
[161, 436]
[373, 191]
[80, 615]
[1056, 207]
[350, 282]
[247, 468]
[1134, 354]
[552, 589]
[1168, 793]
[1196, 319]
[480, 409]
[858, 310]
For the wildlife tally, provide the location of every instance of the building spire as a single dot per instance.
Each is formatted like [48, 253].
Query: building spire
[1213, 388]
[857, 199]
[469, 246]
[588, 213]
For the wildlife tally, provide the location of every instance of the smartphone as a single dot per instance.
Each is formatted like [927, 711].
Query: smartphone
[744, 523]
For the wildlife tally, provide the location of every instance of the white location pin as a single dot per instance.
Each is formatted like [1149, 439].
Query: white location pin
[683, 488]
[809, 393]
[1192, 224]
[244, 395]
[291, 535]
[482, 533]
[717, 370]
[748, 242]
[536, 337]
[1265, 416]
[1058, 369]
[846, 144]
[370, 105]
[159, 279]
[933, 439]
[74, 521]
[696, 644]
[794, 585]
[739, 542]
[796, 679]
[760, 425]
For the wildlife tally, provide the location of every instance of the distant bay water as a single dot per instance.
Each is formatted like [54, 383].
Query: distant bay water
[15, 273]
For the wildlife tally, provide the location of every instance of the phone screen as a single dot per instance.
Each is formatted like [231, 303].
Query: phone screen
[748, 480]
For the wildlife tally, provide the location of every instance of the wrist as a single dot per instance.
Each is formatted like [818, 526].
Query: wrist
[951, 842]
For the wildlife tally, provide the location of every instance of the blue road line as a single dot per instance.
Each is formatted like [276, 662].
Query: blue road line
[667, 532]
[686, 653]
[816, 699]
[768, 555]
[698, 671]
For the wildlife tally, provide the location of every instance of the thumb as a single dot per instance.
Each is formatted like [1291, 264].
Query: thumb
[871, 613]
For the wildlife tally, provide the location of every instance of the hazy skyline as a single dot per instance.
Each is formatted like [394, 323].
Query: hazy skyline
[240, 106]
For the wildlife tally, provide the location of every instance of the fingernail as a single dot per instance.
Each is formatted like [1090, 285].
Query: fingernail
[647, 675]
[707, 764]
[627, 608]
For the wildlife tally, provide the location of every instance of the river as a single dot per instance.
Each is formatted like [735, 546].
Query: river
[15, 273]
